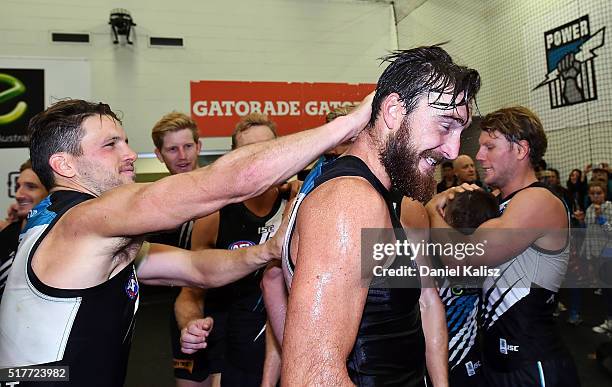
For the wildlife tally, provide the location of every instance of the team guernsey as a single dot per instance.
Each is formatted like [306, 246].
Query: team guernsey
[88, 330]
[238, 338]
[464, 361]
[521, 345]
[390, 347]
[9, 241]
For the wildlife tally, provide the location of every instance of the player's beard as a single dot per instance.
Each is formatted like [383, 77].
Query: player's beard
[401, 161]
[97, 179]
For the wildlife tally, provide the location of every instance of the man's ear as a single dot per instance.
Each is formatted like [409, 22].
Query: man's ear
[392, 109]
[159, 156]
[62, 163]
[198, 146]
[522, 150]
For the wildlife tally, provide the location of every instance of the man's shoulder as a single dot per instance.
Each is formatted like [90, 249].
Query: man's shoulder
[537, 203]
[344, 198]
[344, 190]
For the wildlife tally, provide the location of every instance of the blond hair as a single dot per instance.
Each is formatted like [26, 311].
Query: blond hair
[173, 122]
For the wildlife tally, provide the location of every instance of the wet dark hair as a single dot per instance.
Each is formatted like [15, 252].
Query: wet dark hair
[419, 71]
[470, 209]
[58, 129]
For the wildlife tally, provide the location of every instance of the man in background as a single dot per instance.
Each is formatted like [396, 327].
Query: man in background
[177, 145]
[30, 191]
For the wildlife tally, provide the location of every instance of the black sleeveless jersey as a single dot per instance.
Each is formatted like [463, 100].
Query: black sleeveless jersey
[179, 237]
[89, 330]
[9, 241]
[242, 300]
[517, 307]
[390, 347]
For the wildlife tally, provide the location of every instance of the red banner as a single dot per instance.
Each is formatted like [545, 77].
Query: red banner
[217, 106]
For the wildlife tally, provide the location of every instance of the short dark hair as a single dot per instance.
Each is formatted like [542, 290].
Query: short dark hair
[556, 172]
[447, 164]
[26, 165]
[250, 120]
[470, 209]
[519, 123]
[418, 71]
[58, 129]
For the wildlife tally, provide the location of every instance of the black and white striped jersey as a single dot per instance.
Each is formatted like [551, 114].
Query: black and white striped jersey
[89, 330]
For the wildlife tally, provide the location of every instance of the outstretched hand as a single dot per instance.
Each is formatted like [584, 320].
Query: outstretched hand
[194, 335]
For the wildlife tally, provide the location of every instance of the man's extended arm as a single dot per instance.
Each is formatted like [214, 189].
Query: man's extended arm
[136, 209]
[327, 294]
[168, 265]
[534, 216]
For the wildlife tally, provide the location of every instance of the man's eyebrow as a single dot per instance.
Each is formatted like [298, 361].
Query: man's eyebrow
[113, 138]
[452, 117]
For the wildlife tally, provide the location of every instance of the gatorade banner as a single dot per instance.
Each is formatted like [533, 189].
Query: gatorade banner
[217, 106]
[22, 95]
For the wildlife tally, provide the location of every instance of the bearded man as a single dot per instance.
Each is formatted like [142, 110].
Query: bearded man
[342, 328]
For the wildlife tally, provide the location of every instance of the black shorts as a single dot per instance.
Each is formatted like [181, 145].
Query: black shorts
[200, 365]
[550, 373]
[469, 372]
[233, 376]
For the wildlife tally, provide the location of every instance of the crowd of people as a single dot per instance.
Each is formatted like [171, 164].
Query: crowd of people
[275, 285]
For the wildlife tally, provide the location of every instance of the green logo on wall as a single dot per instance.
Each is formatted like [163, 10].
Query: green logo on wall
[16, 88]
[22, 96]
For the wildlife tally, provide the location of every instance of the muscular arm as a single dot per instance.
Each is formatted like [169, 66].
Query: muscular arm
[136, 209]
[189, 304]
[167, 265]
[327, 294]
[534, 216]
[433, 316]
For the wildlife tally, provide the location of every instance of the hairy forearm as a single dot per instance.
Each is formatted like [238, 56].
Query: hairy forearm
[436, 341]
[189, 305]
[215, 268]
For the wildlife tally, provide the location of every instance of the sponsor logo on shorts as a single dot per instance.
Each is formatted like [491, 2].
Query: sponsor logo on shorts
[183, 364]
[504, 347]
[240, 245]
[471, 367]
[131, 287]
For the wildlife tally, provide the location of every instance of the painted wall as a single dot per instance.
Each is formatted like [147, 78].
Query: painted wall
[262, 40]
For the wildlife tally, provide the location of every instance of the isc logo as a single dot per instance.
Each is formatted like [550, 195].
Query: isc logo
[266, 229]
[504, 347]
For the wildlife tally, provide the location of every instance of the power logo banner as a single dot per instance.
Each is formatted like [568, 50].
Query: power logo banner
[217, 106]
[22, 96]
[568, 64]
[571, 51]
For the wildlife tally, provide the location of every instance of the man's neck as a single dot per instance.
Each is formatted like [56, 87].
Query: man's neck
[366, 148]
[521, 179]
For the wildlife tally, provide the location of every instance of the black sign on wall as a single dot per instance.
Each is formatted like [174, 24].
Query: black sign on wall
[22, 95]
